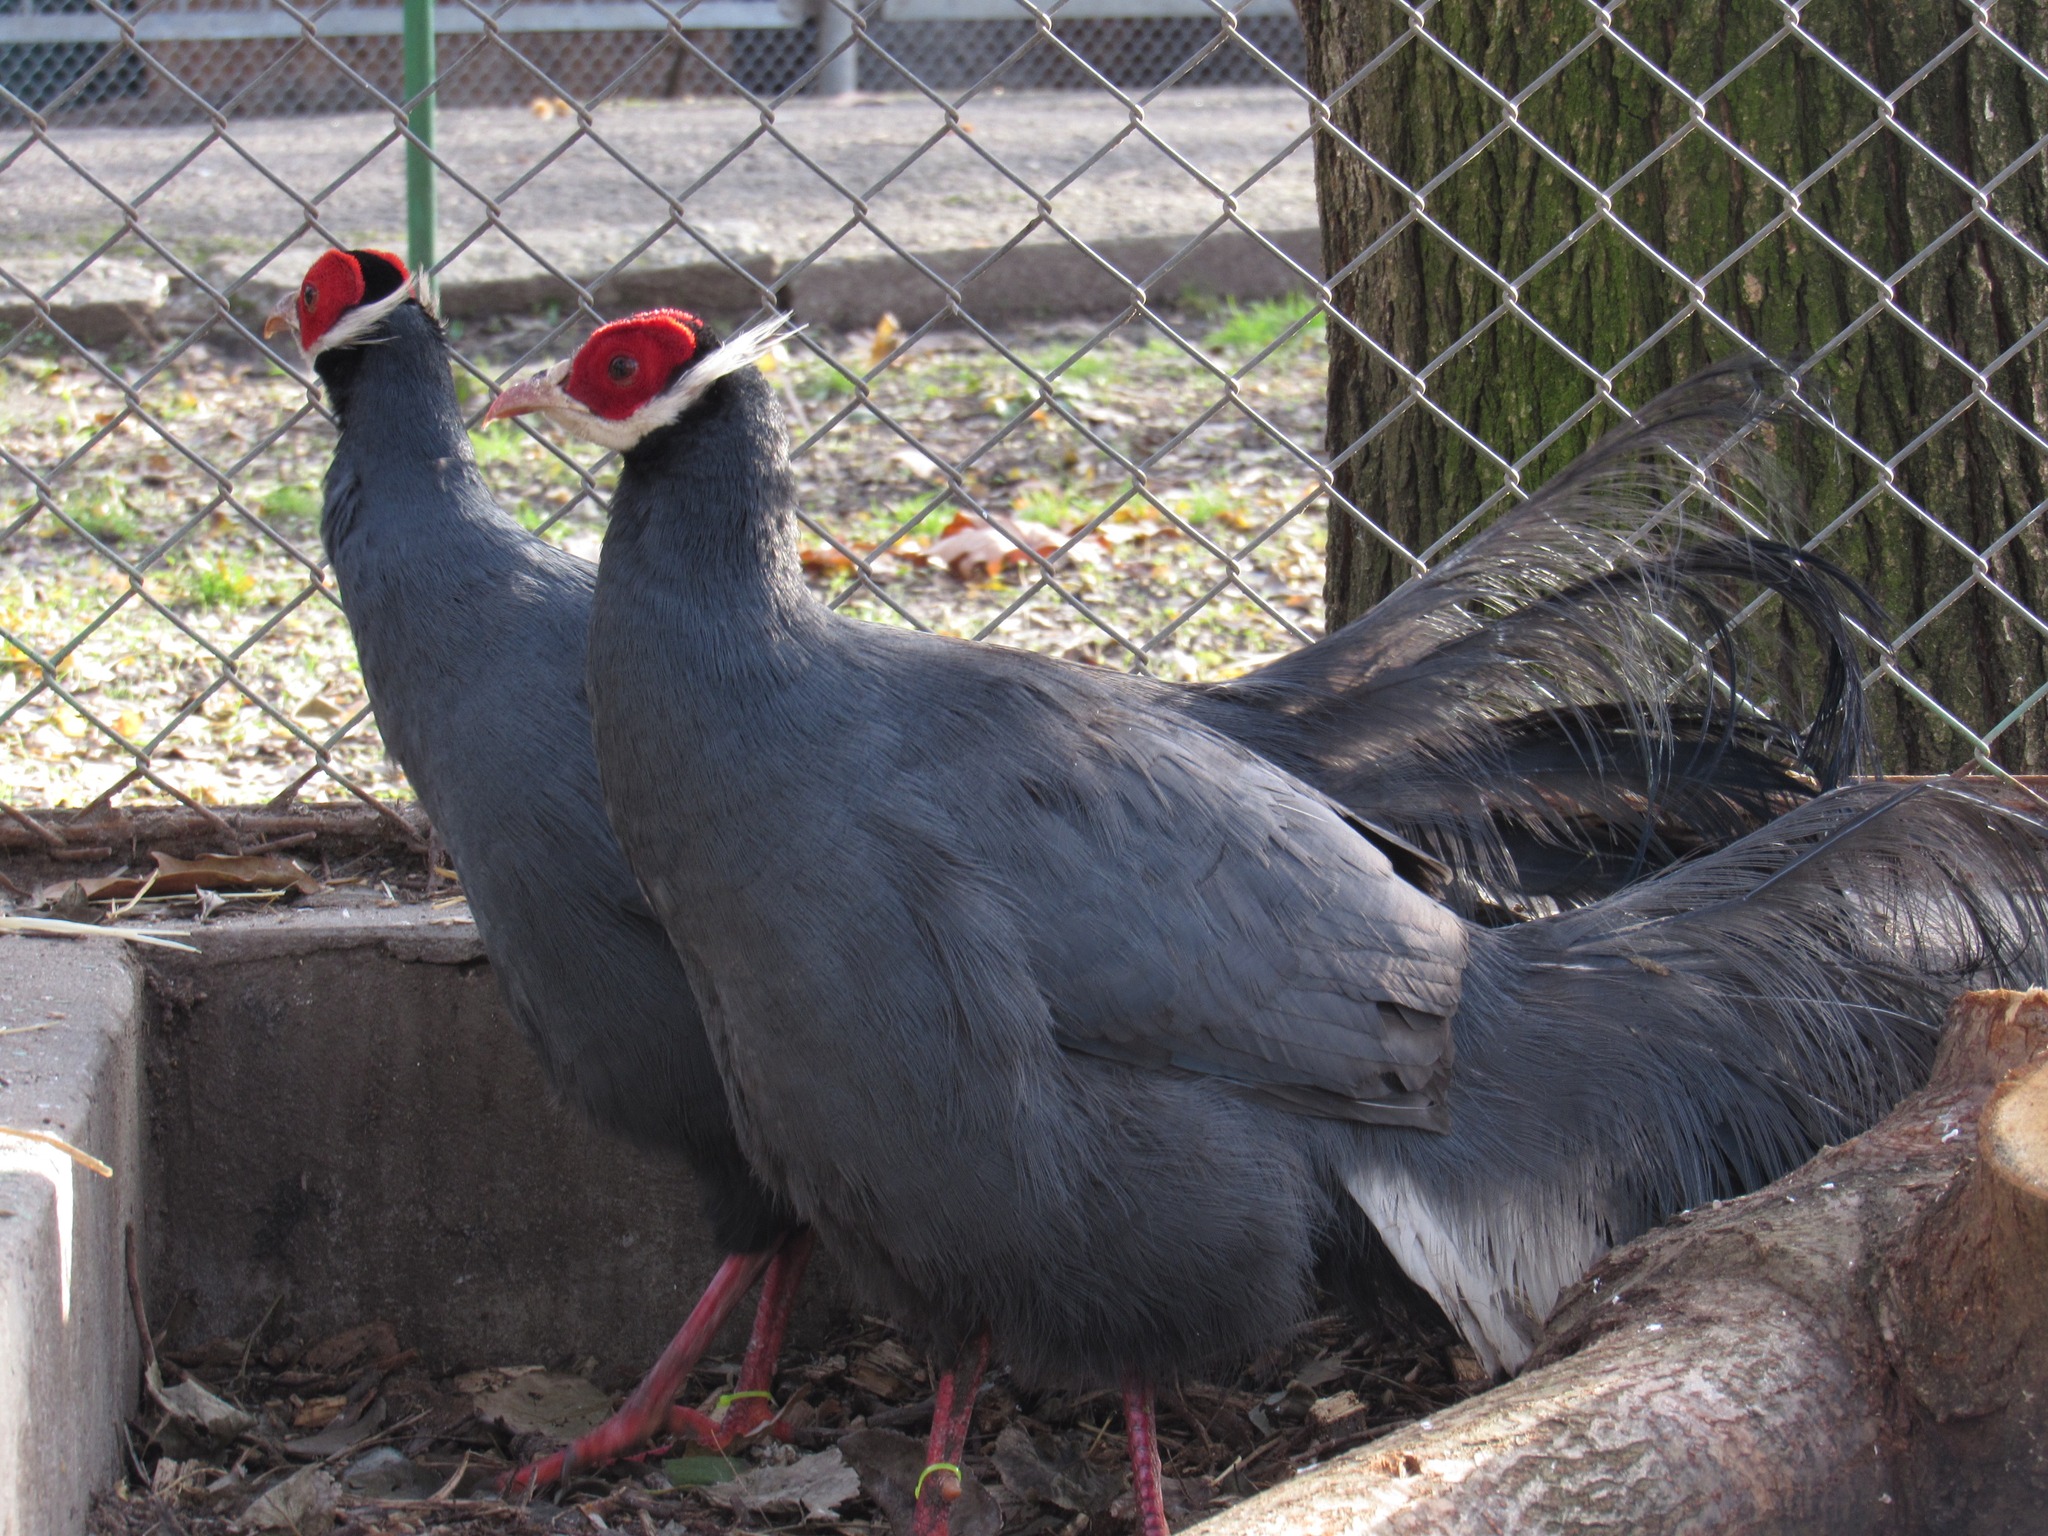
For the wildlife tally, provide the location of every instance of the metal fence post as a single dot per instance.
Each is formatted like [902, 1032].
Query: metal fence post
[420, 210]
[841, 73]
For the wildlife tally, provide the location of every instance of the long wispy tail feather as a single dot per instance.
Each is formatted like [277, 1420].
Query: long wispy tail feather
[1697, 1036]
[1566, 702]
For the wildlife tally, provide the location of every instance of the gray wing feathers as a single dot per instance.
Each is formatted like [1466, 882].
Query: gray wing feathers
[1573, 666]
[1188, 906]
[1347, 1012]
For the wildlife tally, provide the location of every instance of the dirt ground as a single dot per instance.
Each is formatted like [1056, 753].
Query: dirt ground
[354, 1433]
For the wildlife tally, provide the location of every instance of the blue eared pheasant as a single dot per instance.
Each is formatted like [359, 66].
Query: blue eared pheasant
[1070, 1022]
[471, 633]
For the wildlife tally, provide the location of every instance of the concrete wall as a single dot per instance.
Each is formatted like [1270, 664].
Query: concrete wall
[1041, 280]
[70, 1017]
[342, 1116]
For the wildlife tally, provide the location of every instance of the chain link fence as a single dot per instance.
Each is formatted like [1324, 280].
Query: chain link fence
[1061, 382]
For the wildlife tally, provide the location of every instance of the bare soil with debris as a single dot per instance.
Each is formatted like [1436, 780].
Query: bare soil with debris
[355, 1433]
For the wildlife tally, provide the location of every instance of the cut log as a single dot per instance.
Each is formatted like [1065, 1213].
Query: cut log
[1860, 1348]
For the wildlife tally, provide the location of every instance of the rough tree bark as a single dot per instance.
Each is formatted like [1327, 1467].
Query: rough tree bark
[1861, 1348]
[1978, 291]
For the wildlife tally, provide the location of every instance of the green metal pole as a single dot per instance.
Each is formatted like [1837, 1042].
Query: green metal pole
[420, 244]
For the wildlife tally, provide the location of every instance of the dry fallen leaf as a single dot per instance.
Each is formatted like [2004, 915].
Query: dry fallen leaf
[302, 1504]
[318, 1412]
[212, 871]
[888, 330]
[1065, 1479]
[317, 708]
[811, 1485]
[972, 543]
[1318, 1373]
[344, 1431]
[338, 1351]
[923, 465]
[531, 1400]
[198, 1410]
[823, 559]
[173, 1479]
[1123, 529]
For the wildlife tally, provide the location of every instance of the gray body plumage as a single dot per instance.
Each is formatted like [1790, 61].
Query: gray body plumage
[1055, 1009]
[471, 632]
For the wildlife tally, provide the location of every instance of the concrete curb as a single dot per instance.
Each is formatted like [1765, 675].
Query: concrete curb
[1051, 280]
[70, 1361]
[1042, 280]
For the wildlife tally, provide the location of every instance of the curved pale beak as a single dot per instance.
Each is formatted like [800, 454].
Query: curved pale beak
[540, 391]
[283, 317]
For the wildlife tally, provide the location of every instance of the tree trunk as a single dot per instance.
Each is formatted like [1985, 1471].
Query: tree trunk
[1444, 358]
[1860, 1348]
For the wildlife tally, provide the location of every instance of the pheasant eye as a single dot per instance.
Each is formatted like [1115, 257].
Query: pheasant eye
[310, 296]
[623, 367]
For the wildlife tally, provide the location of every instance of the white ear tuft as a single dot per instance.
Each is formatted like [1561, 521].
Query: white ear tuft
[358, 322]
[741, 350]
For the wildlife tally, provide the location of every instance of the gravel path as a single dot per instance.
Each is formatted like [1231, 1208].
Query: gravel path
[742, 184]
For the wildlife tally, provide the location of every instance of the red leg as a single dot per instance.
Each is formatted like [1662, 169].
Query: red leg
[1143, 1432]
[751, 1404]
[939, 1484]
[645, 1413]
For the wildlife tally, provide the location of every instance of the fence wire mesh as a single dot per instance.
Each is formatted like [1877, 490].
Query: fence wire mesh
[1062, 382]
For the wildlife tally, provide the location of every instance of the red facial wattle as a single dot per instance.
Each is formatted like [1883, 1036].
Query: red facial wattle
[337, 283]
[627, 363]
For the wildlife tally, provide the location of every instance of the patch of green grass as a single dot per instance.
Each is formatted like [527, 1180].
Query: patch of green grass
[291, 502]
[826, 382]
[1247, 329]
[1052, 506]
[102, 511]
[502, 442]
[1205, 503]
[1069, 369]
[218, 583]
[953, 378]
[871, 525]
